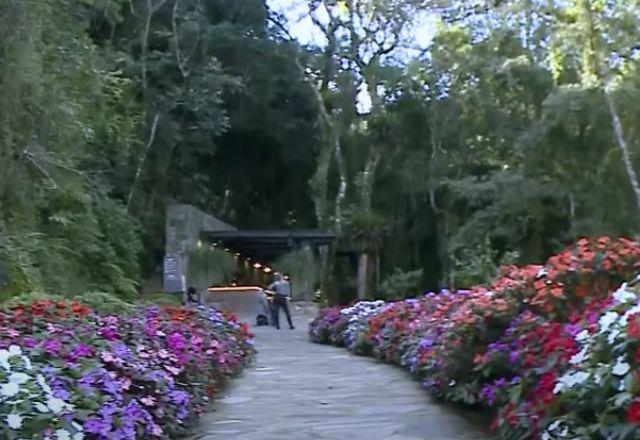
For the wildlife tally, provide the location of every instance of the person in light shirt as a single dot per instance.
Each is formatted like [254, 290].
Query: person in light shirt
[282, 289]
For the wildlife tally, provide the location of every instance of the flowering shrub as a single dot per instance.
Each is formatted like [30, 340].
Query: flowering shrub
[508, 345]
[148, 374]
[600, 390]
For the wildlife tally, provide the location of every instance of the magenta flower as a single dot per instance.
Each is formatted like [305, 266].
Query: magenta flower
[51, 346]
[176, 342]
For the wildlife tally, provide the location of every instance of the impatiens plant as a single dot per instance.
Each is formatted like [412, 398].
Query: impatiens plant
[147, 374]
[528, 345]
[29, 406]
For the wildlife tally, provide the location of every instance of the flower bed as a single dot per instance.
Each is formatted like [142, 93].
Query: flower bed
[508, 345]
[67, 372]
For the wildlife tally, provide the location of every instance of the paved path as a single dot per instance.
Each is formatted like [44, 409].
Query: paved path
[302, 391]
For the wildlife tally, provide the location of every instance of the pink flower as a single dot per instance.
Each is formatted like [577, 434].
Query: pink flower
[163, 354]
[148, 401]
[107, 357]
[173, 370]
[126, 384]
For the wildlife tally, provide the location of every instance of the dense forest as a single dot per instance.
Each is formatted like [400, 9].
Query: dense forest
[511, 134]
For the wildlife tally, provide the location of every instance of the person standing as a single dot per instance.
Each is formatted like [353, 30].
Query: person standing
[282, 289]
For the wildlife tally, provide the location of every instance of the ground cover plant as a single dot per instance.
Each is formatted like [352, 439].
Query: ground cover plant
[69, 372]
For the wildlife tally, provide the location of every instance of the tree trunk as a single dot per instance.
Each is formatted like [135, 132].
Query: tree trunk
[363, 264]
[342, 188]
[624, 147]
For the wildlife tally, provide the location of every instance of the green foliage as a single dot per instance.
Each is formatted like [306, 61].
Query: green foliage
[208, 266]
[302, 267]
[401, 284]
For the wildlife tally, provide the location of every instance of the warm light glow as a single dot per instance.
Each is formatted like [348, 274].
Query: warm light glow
[257, 265]
[237, 254]
[267, 270]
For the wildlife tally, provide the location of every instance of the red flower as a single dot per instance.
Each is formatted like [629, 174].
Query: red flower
[80, 309]
[633, 413]
[633, 328]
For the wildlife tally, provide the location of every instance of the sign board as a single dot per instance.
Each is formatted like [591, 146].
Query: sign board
[174, 279]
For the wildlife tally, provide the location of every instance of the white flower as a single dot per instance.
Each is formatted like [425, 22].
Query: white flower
[56, 405]
[78, 436]
[582, 336]
[580, 357]
[15, 350]
[4, 359]
[43, 384]
[63, 434]
[622, 295]
[613, 335]
[41, 407]
[606, 320]
[633, 311]
[554, 426]
[9, 389]
[569, 380]
[14, 421]
[19, 378]
[621, 368]
[27, 363]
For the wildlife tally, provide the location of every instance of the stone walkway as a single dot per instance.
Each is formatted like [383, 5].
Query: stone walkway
[298, 390]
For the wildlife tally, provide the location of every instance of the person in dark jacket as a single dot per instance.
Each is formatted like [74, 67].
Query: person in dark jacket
[282, 289]
[192, 297]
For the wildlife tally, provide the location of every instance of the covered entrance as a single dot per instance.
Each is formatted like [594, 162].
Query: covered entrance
[254, 250]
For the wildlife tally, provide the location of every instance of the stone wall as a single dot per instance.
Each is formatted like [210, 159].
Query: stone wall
[184, 223]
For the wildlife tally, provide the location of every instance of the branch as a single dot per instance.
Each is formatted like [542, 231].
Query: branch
[32, 158]
[143, 158]
[276, 22]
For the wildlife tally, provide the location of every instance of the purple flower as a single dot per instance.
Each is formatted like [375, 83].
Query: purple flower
[51, 346]
[488, 393]
[111, 386]
[29, 342]
[183, 413]
[427, 343]
[179, 397]
[108, 410]
[499, 383]
[61, 393]
[98, 426]
[109, 333]
[573, 329]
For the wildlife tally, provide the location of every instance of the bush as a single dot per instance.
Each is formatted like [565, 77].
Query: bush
[146, 374]
[517, 344]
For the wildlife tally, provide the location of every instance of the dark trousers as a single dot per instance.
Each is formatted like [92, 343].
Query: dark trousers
[280, 301]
